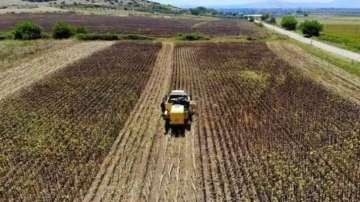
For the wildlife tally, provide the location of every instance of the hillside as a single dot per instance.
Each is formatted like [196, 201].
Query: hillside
[141, 5]
[102, 7]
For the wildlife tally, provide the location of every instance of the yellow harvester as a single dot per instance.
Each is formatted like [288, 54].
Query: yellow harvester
[178, 109]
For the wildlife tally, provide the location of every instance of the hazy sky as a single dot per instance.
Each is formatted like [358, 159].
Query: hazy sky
[229, 2]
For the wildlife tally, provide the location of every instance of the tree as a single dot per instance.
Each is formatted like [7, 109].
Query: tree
[203, 11]
[272, 20]
[265, 16]
[289, 22]
[62, 30]
[27, 30]
[311, 28]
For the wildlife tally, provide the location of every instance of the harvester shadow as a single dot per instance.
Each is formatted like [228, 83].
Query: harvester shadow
[177, 132]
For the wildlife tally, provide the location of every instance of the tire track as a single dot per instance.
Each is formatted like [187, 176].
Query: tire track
[174, 178]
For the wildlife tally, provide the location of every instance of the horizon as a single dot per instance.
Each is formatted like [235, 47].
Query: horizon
[265, 3]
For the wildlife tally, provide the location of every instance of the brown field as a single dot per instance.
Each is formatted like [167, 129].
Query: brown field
[338, 80]
[135, 25]
[55, 135]
[265, 130]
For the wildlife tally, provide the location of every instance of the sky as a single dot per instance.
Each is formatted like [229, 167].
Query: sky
[229, 2]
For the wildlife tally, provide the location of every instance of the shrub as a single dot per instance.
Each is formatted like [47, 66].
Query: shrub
[192, 37]
[311, 28]
[289, 22]
[62, 30]
[27, 30]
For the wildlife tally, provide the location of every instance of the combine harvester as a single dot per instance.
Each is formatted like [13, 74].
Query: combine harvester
[177, 110]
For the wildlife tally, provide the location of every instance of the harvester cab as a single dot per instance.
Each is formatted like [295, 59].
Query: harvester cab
[178, 109]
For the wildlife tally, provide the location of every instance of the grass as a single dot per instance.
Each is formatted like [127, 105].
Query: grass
[135, 37]
[11, 49]
[14, 52]
[90, 37]
[347, 35]
[350, 66]
[192, 37]
[112, 37]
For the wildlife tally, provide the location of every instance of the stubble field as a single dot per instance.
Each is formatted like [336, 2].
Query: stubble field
[92, 130]
[264, 130]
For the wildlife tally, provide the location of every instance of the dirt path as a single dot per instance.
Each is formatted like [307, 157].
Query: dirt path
[17, 78]
[334, 78]
[199, 24]
[144, 164]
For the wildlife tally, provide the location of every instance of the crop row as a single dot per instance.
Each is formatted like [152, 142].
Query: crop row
[135, 25]
[55, 135]
[264, 131]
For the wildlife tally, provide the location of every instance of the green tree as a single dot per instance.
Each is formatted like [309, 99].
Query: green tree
[289, 22]
[272, 20]
[265, 16]
[62, 30]
[27, 30]
[311, 28]
[199, 10]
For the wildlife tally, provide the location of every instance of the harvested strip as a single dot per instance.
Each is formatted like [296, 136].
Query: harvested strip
[332, 77]
[26, 74]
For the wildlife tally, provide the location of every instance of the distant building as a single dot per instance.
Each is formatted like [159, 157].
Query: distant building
[255, 16]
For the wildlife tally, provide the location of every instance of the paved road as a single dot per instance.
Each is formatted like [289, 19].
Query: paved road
[332, 49]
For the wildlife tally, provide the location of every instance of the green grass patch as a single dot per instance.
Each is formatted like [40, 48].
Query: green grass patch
[347, 36]
[6, 35]
[112, 37]
[135, 37]
[92, 37]
[348, 65]
[192, 37]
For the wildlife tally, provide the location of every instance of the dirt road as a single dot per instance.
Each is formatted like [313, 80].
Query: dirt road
[326, 47]
[23, 76]
[145, 164]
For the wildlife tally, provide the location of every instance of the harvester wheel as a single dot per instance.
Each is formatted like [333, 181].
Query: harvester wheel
[190, 114]
[167, 126]
[188, 125]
